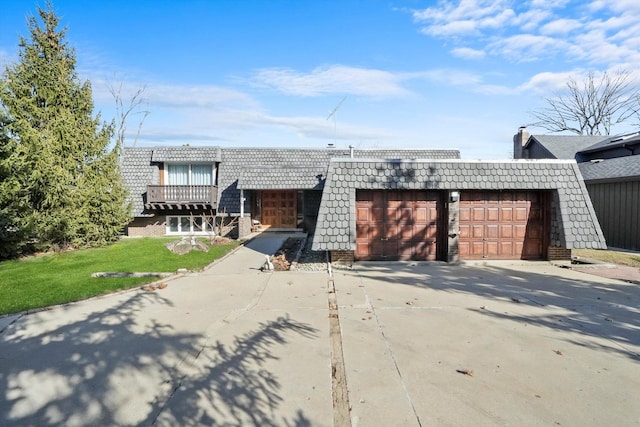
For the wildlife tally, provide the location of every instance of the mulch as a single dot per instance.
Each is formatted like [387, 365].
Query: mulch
[287, 253]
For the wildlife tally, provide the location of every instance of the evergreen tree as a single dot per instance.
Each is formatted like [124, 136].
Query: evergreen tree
[62, 174]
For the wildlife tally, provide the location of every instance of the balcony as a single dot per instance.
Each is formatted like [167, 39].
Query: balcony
[182, 197]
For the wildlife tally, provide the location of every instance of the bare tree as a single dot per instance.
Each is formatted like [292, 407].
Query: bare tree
[591, 106]
[137, 104]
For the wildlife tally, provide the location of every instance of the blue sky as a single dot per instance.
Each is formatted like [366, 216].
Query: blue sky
[416, 74]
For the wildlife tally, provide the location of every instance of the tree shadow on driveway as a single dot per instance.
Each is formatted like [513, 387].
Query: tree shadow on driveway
[568, 301]
[121, 365]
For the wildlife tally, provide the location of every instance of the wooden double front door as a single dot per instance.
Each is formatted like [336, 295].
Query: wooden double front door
[279, 208]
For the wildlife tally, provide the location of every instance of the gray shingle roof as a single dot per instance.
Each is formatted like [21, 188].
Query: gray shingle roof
[282, 178]
[186, 154]
[138, 172]
[611, 169]
[614, 141]
[565, 146]
[316, 161]
[254, 168]
[574, 223]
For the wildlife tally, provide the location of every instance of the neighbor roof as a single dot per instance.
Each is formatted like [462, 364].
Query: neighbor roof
[632, 139]
[616, 168]
[565, 146]
[574, 223]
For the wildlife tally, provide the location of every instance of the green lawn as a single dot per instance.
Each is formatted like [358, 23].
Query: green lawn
[613, 257]
[56, 278]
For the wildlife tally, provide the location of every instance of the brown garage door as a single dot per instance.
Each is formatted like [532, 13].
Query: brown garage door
[397, 225]
[502, 225]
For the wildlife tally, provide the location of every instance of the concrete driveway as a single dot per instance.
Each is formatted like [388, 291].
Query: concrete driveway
[417, 344]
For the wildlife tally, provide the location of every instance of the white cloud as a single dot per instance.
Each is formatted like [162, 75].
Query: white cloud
[468, 53]
[560, 26]
[464, 17]
[547, 82]
[526, 47]
[331, 80]
[602, 33]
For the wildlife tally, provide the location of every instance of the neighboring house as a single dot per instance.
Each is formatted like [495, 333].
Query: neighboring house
[368, 204]
[610, 166]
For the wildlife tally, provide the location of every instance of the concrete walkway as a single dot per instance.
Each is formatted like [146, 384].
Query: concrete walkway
[422, 344]
[230, 346]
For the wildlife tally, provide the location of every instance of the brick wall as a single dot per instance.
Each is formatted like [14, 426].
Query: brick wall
[342, 257]
[556, 253]
[244, 226]
[147, 227]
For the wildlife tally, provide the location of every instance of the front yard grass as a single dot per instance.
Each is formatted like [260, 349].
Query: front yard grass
[613, 257]
[57, 278]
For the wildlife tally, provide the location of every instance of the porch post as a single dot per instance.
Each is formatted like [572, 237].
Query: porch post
[242, 203]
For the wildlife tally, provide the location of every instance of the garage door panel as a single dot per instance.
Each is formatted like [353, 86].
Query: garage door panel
[506, 248]
[424, 232]
[362, 213]
[531, 248]
[476, 249]
[522, 214]
[406, 231]
[397, 225]
[465, 231]
[491, 249]
[506, 231]
[492, 214]
[491, 231]
[478, 214]
[424, 250]
[507, 225]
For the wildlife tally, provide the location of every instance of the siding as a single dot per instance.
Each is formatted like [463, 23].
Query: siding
[617, 205]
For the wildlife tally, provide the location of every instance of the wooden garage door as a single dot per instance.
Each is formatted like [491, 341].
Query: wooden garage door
[397, 225]
[503, 225]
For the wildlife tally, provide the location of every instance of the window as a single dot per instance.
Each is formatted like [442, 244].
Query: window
[190, 174]
[189, 225]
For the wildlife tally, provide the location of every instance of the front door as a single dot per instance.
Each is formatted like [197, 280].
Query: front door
[279, 209]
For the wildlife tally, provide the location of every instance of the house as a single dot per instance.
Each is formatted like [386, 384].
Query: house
[367, 204]
[175, 190]
[610, 166]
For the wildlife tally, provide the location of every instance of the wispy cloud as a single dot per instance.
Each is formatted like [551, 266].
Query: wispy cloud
[468, 53]
[602, 33]
[331, 80]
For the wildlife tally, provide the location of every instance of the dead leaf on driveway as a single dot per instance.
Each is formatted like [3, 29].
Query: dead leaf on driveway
[467, 372]
[558, 352]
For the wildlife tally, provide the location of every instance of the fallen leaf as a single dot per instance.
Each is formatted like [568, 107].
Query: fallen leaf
[558, 352]
[468, 372]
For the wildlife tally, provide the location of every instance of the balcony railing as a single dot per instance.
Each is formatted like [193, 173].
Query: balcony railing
[206, 195]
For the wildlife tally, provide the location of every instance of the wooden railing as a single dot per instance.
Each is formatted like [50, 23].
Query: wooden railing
[204, 194]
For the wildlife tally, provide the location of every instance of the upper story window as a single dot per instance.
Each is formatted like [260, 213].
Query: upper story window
[190, 174]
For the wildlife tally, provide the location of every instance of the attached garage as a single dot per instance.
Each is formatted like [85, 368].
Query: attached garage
[503, 225]
[398, 225]
[394, 209]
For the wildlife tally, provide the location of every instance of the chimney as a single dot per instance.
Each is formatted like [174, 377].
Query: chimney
[519, 140]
